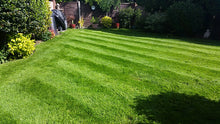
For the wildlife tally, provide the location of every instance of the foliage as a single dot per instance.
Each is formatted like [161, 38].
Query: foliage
[3, 56]
[140, 21]
[207, 7]
[138, 18]
[59, 1]
[124, 1]
[155, 5]
[156, 22]
[21, 46]
[22, 16]
[46, 35]
[162, 5]
[94, 20]
[185, 18]
[106, 21]
[105, 5]
[81, 22]
[126, 17]
[129, 16]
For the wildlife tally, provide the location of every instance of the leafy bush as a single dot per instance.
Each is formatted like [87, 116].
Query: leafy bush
[105, 5]
[21, 46]
[24, 16]
[106, 21]
[139, 19]
[94, 20]
[155, 5]
[47, 35]
[185, 18]
[156, 22]
[126, 16]
[129, 16]
[3, 56]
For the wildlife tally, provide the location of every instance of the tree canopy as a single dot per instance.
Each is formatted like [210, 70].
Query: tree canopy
[105, 5]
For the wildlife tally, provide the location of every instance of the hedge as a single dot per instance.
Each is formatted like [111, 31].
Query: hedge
[24, 16]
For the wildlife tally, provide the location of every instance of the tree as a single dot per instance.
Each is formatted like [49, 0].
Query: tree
[105, 5]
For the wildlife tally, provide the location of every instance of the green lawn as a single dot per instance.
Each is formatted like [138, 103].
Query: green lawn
[113, 76]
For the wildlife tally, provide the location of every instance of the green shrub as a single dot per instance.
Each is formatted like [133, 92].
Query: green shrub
[21, 46]
[156, 22]
[155, 5]
[106, 21]
[47, 35]
[94, 20]
[185, 18]
[126, 16]
[3, 56]
[139, 19]
[24, 16]
[129, 17]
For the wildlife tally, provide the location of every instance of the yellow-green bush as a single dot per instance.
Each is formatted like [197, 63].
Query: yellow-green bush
[21, 46]
[106, 21]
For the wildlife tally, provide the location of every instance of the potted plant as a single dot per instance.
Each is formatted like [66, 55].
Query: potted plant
[73, 25]
[117, 25]
[95, 22]
[71, 21]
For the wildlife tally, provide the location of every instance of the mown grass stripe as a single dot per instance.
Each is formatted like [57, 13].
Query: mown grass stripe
[52, 96]
[130, 64]
[196, 61]
[125, 76]
[140, 43]
[144, 74]
[108, 82]
[157, 39]
[108, 91]
[157, 42]
[207, 72]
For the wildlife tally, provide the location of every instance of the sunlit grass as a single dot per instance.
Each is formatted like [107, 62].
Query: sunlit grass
[113, 76]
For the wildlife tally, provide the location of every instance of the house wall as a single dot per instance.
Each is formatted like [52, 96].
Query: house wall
[70, 9]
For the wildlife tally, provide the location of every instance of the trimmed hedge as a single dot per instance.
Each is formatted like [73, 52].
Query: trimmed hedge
[24, 16]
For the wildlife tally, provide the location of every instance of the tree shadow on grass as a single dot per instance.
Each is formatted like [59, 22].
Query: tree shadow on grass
[6, 118]
[176, 108]
[55, 98]
[142, 33]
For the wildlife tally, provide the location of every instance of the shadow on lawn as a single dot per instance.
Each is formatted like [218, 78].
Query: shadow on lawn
[176, 108]
[142, 33]
[54, 97]
[6, 118]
